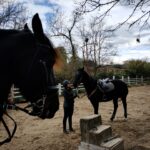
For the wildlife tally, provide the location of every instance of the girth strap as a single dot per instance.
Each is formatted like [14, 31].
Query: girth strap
[89, 96]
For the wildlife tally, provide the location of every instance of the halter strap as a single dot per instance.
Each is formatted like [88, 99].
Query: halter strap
[41, 107]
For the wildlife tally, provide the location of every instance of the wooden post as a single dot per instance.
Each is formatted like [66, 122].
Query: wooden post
[129, 80]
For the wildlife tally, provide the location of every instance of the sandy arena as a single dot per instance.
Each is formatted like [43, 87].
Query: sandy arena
[36, 134]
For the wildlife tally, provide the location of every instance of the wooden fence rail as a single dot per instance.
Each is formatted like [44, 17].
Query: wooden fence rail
[15, 94]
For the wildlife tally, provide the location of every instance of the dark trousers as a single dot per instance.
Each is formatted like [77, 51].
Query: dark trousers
[68, 112]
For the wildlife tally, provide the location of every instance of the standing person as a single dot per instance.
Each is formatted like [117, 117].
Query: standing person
[69, 97]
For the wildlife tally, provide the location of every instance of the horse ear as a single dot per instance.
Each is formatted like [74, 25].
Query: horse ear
[26, 27]
[37, 25]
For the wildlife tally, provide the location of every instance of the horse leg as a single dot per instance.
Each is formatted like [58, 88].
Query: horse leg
[125, 106]
[115, 102]
[95, 106]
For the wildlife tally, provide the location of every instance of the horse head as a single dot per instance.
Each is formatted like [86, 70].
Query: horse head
[78, 77]
[34, 75]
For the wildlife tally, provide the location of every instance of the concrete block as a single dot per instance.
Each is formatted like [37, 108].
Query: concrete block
[87, 146]
[87, 123]
[90, 122]
[114, 144]
[99, 134]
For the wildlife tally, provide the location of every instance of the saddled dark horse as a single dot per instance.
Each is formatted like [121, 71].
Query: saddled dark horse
[95, 95]
[26, 60]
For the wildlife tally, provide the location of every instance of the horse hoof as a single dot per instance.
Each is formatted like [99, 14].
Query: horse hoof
[125, 115]
[125, 119]
[111, 119]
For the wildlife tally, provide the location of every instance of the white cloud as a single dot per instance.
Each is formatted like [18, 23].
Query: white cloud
[125, 39]
[66, 5]
[132, 51]
[34, 6]
[41, 9]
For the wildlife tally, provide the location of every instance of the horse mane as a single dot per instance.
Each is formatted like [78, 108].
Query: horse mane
[5, 32]
[91, 79]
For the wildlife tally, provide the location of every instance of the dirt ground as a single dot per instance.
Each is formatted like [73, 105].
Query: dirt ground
[36, 134]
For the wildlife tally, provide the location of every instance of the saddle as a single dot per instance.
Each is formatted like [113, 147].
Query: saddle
[105, 85]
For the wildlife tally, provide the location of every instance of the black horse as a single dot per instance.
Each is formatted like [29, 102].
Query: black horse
[95, 95]
[26, 60]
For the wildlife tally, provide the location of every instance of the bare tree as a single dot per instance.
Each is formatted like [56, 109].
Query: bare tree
[12, 14]
[142, 7]
[96, 44]
[60, 28]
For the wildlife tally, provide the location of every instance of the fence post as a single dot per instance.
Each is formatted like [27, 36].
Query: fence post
[129, 80]
[113, 77]
[59, 88]
[142, 79]
[12, 92]
[136, 80]
[122, 78]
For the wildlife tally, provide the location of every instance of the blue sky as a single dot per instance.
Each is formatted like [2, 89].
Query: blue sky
[125, 39]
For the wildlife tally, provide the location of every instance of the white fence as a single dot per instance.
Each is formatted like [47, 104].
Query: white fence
[15, 94]
[132, 81]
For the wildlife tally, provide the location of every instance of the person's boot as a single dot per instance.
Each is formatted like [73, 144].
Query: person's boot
[70, 126]
[64, 127]
[71, 129]
[65, 131]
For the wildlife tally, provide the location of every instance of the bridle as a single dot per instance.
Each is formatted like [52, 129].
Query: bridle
[40, 104]
[79, 80]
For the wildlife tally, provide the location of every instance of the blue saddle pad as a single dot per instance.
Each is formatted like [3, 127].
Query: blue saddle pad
[105, 85]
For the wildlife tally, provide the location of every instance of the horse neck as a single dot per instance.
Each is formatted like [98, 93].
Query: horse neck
[4, 32]
[6, 62]
[89, 83]
[15, 51]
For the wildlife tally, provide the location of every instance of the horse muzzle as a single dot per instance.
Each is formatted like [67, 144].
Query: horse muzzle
[50, 104]
[47, 115]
